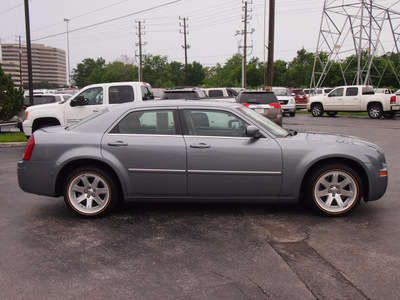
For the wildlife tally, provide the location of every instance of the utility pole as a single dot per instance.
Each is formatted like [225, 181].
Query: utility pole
[271, 38]
[29, 50]
[69, 62]
[139, 27]
[244, 32]
[185, 46]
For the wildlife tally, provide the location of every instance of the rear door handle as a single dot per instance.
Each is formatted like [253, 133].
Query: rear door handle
[118, 144]
[200, 145]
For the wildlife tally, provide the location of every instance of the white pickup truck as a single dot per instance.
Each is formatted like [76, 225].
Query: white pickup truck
[355, 98]
[88, 100]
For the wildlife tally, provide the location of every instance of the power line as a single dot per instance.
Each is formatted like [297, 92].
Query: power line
[111, 20]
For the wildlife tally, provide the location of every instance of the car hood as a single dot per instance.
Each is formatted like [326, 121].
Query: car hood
[44, 106]
[328, 138]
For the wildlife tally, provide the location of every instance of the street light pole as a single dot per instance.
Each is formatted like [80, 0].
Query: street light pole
[69, 69]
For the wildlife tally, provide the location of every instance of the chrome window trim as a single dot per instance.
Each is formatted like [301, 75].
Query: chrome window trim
[145, 135]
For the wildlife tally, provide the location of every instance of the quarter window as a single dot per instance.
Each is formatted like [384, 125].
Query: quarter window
[147, 122]
[214, 123]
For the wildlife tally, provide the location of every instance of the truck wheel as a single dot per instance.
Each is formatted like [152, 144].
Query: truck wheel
[375, 111]
[317, 110]
[90, 191]
[334, 190]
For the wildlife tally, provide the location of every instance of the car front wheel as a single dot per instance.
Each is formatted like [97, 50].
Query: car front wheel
[334, 190]
[317, 110]
[90, 192]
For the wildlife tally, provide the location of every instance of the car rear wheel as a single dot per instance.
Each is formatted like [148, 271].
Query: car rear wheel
[334, 190]
[389, 114]
[317, 110]
[90, 192]
[292, 114]
[332, 113]
[375, 111]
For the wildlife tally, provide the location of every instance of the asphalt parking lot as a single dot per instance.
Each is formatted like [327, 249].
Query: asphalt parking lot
[204, 251]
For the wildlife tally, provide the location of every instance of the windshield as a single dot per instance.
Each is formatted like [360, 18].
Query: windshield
[264, 122]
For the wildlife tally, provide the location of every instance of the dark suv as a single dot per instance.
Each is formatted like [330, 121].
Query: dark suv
[184, 93]
[263, 102]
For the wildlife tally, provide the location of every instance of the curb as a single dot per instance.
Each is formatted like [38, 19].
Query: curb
[9, 145]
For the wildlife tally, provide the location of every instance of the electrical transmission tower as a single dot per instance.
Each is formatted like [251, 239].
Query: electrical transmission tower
[140, 27]
[355, 33]
[185, 46]
[245, 19]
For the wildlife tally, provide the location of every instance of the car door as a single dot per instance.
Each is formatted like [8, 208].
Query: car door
[148, 147]
[351, 101]
[93, 98]
[223, 162]
[334, 101]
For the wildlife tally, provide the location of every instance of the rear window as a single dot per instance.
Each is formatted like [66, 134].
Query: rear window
[298, 92]
[180, 95]
[258, 98]
[367, 90]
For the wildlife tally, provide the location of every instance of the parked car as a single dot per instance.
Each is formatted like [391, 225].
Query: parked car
[384, 91]
[221, 92]
[197, 150]
[184, 93]
[323, 91]
[287, 101]
[263, 102]
[355, 98]
[158, 93]
[299, 97]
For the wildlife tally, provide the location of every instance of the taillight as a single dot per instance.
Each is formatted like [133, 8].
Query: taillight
[245, 104]
[275, 105]
[393, 100]
[28, 148]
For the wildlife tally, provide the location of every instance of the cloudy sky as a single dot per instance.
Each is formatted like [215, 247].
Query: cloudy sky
[108, 28]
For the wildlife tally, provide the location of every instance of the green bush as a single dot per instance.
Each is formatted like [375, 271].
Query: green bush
[11, 99]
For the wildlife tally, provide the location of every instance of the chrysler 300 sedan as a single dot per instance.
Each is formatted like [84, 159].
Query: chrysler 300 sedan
[198, 151]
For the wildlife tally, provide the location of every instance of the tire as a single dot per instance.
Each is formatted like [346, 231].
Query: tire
[334, 190]
[375, 111]
[331, 113]
[292, 114]
[317, 110]
[389, 114]
[90, 192]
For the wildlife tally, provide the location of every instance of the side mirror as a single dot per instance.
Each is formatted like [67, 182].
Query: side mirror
[78, 101]
[253, 131]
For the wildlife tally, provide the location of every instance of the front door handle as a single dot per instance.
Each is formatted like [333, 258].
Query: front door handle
[118, 144]
[200, 145]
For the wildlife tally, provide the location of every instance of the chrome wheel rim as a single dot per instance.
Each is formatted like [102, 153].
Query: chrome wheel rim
[316, 110]
[375, 112]
[89, 193]
[336, 191]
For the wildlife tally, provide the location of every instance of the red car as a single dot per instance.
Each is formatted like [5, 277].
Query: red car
[299, 97]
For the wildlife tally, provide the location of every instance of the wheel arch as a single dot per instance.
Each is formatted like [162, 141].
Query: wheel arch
[53, 121]
[337, 160]
[63, 173]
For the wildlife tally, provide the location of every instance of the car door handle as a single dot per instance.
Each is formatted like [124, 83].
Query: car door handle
[118, 144]
[200, 145]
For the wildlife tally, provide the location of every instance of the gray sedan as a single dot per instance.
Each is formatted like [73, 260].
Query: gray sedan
[198, 151]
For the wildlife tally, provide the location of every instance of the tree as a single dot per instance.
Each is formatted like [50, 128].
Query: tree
[82, 74]
[11, 99]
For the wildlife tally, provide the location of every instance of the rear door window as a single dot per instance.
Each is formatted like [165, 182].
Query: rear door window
[120, 94]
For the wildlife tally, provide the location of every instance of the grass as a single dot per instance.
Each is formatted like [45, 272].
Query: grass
[12, 137]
